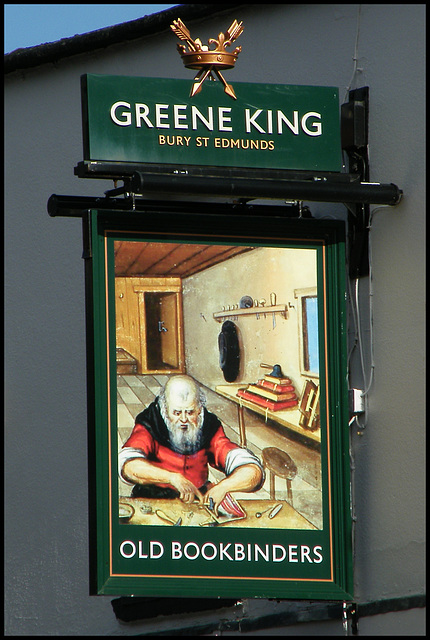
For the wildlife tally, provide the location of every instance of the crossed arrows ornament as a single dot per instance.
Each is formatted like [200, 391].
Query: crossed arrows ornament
[205, 73]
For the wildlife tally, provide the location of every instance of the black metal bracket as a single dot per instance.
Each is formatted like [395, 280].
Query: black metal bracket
[355, 142]
[157, 181]
[341, 187]
[129, 609]
[350, 618]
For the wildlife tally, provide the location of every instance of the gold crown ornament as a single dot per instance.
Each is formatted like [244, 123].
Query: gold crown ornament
[208, 61]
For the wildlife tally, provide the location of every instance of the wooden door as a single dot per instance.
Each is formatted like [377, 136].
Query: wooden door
[143, 307]
[161, 325]
[169, 330]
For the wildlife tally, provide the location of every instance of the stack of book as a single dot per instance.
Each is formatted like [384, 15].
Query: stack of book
[271, 392]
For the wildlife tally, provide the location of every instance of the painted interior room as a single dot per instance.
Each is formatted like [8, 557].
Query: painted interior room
[172, 301]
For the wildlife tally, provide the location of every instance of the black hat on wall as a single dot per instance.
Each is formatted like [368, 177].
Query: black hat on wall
[229, 351]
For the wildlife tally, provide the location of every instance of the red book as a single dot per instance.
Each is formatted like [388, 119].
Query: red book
[276, 395]
[274, 386]
[264, 402]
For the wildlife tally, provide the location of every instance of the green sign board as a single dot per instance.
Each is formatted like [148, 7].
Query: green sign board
[153, 120]
[258, 504]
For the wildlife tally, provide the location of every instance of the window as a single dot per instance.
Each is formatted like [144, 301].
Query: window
[308, 330]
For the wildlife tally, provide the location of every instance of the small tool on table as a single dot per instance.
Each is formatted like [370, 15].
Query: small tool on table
[273, 511]
[166, 518]
[209, 509]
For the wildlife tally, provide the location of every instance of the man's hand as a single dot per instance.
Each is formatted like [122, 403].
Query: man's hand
[245, 478]
[142, 471]
[187, 490]
[217, 493]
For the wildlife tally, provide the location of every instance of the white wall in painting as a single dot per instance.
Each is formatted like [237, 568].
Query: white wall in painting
[257, 273]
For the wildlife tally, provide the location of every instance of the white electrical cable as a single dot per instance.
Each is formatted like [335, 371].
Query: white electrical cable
[367, 379]
[355, 58]
[361, 352]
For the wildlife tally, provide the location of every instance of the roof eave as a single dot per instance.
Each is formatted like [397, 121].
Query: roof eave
[30, 57]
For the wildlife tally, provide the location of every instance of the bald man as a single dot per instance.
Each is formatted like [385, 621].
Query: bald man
[174, 441]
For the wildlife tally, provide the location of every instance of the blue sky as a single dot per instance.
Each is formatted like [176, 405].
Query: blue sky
[27, 25]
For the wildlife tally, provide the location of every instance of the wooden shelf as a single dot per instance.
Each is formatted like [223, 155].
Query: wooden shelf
[288, 418]
[281, 309]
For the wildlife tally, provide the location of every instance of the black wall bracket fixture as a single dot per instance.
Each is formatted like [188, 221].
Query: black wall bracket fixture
[355, 143]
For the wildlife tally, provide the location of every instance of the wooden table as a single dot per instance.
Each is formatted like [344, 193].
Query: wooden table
[144, 512]
[288, 418]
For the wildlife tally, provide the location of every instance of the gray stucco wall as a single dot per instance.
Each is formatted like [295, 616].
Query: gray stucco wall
[46, 533]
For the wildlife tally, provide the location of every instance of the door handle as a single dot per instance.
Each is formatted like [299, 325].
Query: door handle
[161, 326]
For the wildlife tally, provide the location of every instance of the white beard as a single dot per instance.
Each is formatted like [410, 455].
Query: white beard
[184, 442]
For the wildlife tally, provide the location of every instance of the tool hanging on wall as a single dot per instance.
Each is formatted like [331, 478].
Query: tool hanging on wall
[273, 303]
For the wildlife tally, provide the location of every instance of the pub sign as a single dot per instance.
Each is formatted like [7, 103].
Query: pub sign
[218, 414]
[155, 121]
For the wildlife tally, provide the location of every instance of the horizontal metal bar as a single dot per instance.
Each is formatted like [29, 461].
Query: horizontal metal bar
[114, 170]
[76, 206]
[307, 190]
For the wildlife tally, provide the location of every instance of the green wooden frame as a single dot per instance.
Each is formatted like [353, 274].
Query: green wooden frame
[110, 574]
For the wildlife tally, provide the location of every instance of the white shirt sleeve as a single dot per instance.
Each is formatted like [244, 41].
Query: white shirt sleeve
[126, 454]
[238, 457]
